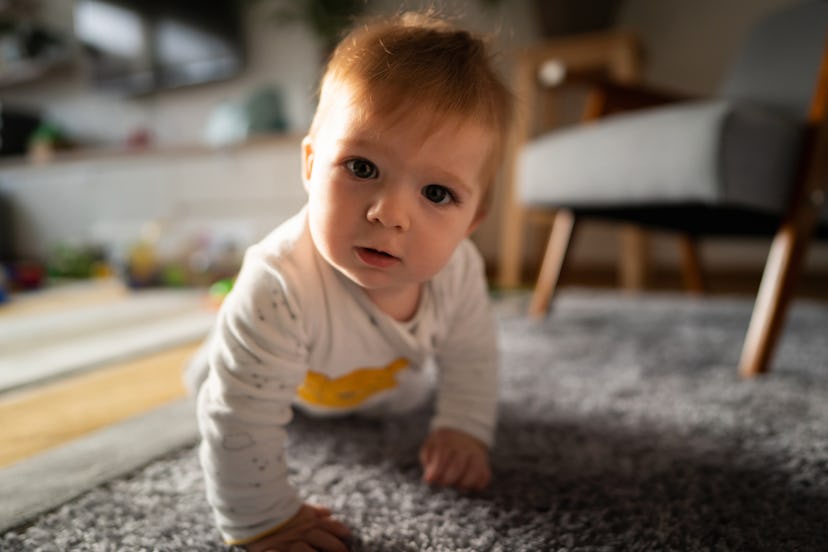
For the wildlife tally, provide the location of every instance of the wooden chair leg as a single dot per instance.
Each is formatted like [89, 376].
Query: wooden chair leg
[634, 262]
[778, 280]
[788, 250]
[511, 248]
[560, 237]
[691, 270]
[790, 244]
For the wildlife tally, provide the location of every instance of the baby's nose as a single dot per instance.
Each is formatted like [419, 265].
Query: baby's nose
[391, 209]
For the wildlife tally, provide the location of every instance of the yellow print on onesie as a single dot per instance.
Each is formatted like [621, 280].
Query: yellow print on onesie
[351, 389]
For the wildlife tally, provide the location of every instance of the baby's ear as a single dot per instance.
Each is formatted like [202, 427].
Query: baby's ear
[307, 160]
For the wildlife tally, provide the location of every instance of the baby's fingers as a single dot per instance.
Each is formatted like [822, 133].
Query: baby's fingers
[454, 470]
[435, 471]
[311, 529]
[336, 527]
[295, 547]
[320, 511]
[321, 539]
[477, 477]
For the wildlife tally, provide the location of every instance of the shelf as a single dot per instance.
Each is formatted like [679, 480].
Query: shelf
[21, 72]
[117, 152]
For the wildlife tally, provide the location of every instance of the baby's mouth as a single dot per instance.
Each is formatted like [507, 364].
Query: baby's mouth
[379, 252]
[376, 257]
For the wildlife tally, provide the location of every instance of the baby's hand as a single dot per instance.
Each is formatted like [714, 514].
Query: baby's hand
[312, 528]
[452, 458]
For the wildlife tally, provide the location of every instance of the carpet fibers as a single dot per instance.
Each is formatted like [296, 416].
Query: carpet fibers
[624, 426]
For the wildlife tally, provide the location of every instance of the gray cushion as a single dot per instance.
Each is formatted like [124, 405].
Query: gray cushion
[712, 152]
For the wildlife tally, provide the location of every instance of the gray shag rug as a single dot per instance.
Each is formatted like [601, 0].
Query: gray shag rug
[624, 426]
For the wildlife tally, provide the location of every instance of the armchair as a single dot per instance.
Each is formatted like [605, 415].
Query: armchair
[753, 160]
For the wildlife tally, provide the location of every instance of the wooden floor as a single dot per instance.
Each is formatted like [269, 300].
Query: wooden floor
[35, 419]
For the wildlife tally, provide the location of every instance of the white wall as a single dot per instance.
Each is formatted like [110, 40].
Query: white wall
[690, 44]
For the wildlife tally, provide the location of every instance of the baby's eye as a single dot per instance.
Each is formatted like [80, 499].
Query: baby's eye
[436, 193]
[362, 168]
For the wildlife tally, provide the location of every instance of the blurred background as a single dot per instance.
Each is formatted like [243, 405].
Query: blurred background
[157, 139]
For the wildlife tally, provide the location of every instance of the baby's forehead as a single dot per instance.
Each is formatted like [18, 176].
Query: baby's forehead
[427, 119]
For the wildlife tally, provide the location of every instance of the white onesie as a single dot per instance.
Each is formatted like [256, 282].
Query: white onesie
[296, 332]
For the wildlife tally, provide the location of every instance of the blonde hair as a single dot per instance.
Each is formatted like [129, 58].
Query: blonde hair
[416, 60]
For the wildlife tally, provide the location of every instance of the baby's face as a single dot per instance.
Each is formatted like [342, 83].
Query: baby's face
[389, 203]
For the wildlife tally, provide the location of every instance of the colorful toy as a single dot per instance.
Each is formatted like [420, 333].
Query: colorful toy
[69, 261]
[218, 291]
[174, 275]
[4, 282]
[27, 275]
[142, 265]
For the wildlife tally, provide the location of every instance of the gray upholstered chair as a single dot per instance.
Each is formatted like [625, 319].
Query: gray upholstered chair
[752, 160]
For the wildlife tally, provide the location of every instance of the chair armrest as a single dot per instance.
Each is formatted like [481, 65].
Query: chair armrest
[607, 63]
[620, 96]
[617, 51]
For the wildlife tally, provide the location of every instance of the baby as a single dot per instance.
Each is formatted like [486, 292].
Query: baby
[342, 309]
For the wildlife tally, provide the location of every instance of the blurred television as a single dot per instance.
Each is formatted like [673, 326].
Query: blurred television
[142, 46]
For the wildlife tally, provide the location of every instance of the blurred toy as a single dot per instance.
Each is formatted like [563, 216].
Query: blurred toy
[21, 275]
[164, 255]
[174, 275]
[234, 121]
[27, 275]
[138, 139]
[218, 291]
[69, 261]
[142, 265]
[208, 262]
[4, 283]
[45, 141]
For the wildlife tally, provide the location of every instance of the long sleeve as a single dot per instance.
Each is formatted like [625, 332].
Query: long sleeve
[257, 357]
[467, 356]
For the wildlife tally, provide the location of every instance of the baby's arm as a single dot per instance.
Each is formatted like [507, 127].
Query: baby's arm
[456, 451]
[451, 458]
[257, 358]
